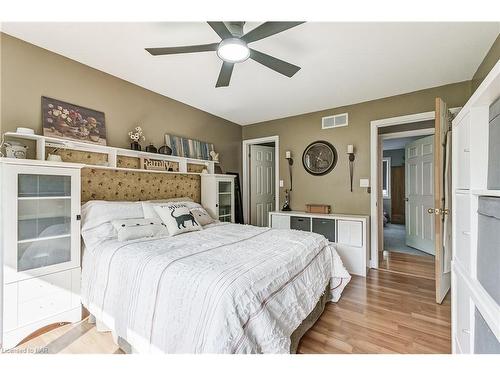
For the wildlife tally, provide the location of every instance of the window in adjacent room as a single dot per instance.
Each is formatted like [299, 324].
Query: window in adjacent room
[386, 177]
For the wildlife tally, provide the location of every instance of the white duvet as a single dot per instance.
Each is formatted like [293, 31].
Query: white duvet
[226, 289]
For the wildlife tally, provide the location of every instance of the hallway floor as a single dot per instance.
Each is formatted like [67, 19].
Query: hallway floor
[395, 240]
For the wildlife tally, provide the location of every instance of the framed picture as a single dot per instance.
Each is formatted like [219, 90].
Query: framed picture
[189, 148]
[70, 121]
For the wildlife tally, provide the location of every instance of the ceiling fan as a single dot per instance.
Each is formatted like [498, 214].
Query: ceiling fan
[233, 48]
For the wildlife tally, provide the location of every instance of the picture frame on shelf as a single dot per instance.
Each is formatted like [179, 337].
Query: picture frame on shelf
[189, 148]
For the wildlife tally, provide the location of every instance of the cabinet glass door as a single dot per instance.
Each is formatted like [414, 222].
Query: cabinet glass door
[225, 200]
[44, 221]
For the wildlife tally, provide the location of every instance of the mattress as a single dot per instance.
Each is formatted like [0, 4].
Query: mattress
[229, 288]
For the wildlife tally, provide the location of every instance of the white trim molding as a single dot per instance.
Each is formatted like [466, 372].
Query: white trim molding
[245, 149]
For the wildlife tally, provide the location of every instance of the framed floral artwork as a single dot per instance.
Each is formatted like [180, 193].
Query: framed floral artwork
[70, 121]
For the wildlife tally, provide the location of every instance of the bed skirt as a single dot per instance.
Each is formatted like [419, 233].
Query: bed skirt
[309, 321]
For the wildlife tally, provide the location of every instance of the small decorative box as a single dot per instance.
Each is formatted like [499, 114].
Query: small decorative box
[318, 208]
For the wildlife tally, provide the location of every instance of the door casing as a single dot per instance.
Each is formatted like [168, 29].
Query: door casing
[376, 225]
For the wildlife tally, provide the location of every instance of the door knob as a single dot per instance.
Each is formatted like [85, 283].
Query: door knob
[438, 211]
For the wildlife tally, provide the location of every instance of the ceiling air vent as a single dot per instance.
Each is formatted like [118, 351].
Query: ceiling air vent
[335, 121]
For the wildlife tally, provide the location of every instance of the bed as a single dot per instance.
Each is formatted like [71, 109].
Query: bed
[228, 288]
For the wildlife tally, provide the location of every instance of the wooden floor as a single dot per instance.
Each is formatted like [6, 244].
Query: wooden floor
[384, 313]
[409, 264]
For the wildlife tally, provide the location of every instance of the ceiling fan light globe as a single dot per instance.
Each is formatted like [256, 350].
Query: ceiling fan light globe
[233, 50]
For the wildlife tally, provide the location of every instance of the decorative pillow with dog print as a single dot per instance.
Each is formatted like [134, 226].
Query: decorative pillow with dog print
[177, 218]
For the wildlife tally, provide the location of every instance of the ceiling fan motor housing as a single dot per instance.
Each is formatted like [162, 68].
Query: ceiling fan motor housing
[235, 28]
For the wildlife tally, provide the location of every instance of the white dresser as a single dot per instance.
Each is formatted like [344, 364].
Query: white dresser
[350, 233]
[39, 247]
[217, 196]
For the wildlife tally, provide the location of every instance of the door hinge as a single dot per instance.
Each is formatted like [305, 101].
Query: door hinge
[78, 217]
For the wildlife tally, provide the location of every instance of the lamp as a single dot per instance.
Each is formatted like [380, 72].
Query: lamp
[286, 205]
[350, 152]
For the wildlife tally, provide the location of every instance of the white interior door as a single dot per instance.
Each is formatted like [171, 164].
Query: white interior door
[419, 187]
[262, 194]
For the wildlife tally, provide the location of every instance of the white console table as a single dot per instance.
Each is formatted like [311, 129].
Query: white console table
[350, 233]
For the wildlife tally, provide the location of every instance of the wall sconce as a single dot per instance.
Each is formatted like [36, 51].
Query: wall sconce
[286, 205]
[350, 152]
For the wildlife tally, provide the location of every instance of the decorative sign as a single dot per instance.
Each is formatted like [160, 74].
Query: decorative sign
[156, 165]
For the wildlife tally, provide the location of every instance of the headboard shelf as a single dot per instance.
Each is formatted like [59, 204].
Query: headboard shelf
[113, 153]
[139, 170]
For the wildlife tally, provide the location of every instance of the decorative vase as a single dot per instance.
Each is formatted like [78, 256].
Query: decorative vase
[165, 150]
[151, 148]
[135, 146]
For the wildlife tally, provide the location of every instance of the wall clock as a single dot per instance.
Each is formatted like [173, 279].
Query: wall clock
[319, 158]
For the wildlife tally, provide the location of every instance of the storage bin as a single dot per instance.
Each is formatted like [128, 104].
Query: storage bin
[494, 149]
[326, 227]
[488, 246]
[485, 341]
[300, 223]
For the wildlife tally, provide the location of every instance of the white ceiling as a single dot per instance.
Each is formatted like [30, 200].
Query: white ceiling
[342, 63]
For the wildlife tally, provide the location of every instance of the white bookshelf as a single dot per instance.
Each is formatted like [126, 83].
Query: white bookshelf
[469, 182]
[42, 142]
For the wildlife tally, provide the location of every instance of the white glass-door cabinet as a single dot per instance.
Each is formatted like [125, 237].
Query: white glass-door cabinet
[217, 196]
[40, 246]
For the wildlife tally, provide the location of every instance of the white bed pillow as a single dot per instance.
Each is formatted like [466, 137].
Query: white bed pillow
[98, 215]
[202, 216]
[167, 200]
[131, 229]
[177, 217]
[149, 211]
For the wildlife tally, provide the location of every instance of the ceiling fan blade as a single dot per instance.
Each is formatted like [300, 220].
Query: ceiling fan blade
[273, 63]
[182, 49]
[221, 29]
[268, 29]
[225, 74]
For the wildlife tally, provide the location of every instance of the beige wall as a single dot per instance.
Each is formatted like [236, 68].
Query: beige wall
[486, 65]
[28, 72]
[297, 132]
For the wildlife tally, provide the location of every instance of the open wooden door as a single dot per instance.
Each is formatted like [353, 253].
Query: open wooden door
[398, 203]
[443, 280]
